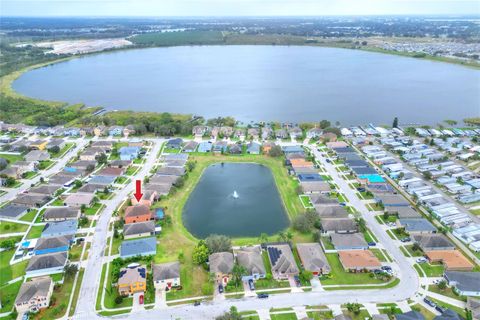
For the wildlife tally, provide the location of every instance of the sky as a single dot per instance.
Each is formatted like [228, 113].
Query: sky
[164, 8]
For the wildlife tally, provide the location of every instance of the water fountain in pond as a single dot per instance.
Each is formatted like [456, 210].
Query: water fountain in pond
[235, 194]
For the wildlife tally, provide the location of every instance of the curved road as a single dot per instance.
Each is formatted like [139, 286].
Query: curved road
[407, 288]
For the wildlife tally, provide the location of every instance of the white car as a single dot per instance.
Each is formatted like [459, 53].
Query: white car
[421, 260]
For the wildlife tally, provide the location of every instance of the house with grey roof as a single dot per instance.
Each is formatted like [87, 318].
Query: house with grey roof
[62, 180]
[332, 212]
[320, 199]
[221, 265]
[31, 200]
[349, 241]
[48, 190]
[34, 295]
[46, 264]
[79, 199]
[170, 171]
[251, 259]
[343, 225]
[166, 275]
[413, 226]
[429, 242]
[138, 247]
[37, 155]
[391, 200]
[403, 212]
[53, 244]
[313, 259]
[102, 180]
[91, 188]
[448, 314]
[282, 261]
[253, 148]
[464, 283]
[13, 211]
[411, 315]
[315, 187]
[139, 229]
[60, 228]
[190, 146]
[474, 306]
[60, 213]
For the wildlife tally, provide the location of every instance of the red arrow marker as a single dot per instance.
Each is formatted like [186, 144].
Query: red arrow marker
[138, 190]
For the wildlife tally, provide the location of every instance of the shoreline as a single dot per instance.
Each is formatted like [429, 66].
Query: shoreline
[6, 81]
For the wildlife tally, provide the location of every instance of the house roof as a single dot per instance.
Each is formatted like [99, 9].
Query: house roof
[111, 171]
[251, 259]
[61, 213]
[448, 314]
[451, 259]
[32, 200]
[170, 171]
[391, 199]
[12, 210]
[358, 259]
[312, 257]
[465, 281]
[417, 225]
[191, 145]
[300, 163]
[66, 227]
[45, 189]
[404, 212]
[432, 241]
[47, 261]
[164, 271]
[132, 275]
[79, 198]
[315, 186]
[221, 262]
[474, 305]
[104, 180]
[137, 210]
[138, 228]
[138, 247]
[281, 259]
[163, 179]
[36, 287]
[342, 224]
[53, 242]
[91, 188]
[321, 199]
[336, 211]
[353, 240]
[120, 163]
[411, 315]
[37, 155]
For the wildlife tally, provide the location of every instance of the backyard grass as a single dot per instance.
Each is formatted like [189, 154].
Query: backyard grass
[11, 158]
[35, 232]
[30, 175]
[306, 201]
[29, 216]
[363, 314]
[8, 293]
[327, 244]
[75, 252]
[340, 276]
[7, 227]
[283, 316]
[94, 209]
[432, 270]
[10, 272]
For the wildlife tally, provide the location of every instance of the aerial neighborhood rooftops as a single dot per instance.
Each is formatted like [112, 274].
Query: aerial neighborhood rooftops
[353, 241]
[60, 228]
[417, 225]
[44, 264]
[142, 247]
[342, 225]
[251, 259]
[313, 259]
[13, 211]
[61, 213]
[34, 295]
[464, 283]
[31, 200]
[430, 242]
[359, 260]
[282, 261]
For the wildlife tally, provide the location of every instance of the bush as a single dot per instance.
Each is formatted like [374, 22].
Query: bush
[118, 299]
[218, 243]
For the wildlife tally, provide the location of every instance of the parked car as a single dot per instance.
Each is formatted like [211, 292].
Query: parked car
[297, 281]
[372, 244]
[386, 268]
[406, 239]
[251, 285]
[440, 309]
[262, 295]
[430, 302]
[196, 303]
[421, 260]
[328, 160]
[220, 288]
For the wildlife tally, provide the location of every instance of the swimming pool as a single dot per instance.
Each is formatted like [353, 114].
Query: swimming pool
[372, 178]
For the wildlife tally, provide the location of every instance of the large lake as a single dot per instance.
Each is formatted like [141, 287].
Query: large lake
[212, 207]
[264, 83]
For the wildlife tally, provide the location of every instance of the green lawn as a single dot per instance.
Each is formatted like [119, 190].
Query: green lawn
[446, 292]
[10, 272]
[432, 270]
[11, 158]
[320, 315]
[8, 293]
[62, 151]
[45, 164]
[362, 315]
[306, 201]
[417, 253]
[378, 253]
[132, 170]
[30, 175]
[111, 293]
[7, 227]
[75, 252]
[35, 232]
[458, 310]
[424, 311]
[76, 293]
[29, 216]
[283, 316]
[340, 276]
[327, 244]
[94, 209]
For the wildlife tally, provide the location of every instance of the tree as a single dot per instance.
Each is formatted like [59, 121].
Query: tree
[305, 275]
[361, 224]
[90, 168]
[200, 253]
[3, 163]
[442, 285]
[102, 158]
[416, 247]
[70, 270]
[427, 175]
[275, 151]
[218, 243]
[263, 238]
[354, 307]
[395, 123]
[450, 122]
[301, 223]
[83, 221]
[324, 124]
[230, 315]
[118, 299]
[54, 149]
[190, 166]
[7, 244]
[77, 184]
[238, 271]
[180, 182]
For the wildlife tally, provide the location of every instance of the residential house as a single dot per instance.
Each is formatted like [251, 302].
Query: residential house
[31, 200]
[139, 229]
[314, 133]
[221, 265]
[100, 131]
[60, 214]
[171, 171]
[453, 260]
[235, 149]
[357, 260]
[251, 259]
[34, 295]
[295, 132]
[417, 226]
[204, 147]
[253, 148]
[47, 190]
[464, 283]
[24, 166]
[331, 212]
[111, 171]
[60, 228]
[281, 134]
[102, 180]
[138, 213]
[46, 264]
[282, 261]
[60, 143]
[200, 131]
[138, 247]
[13, 211]
[267, 133]
[315, 187]
[313, 259]
[128, 130]
[352, 241]
[474, 306]
[91, 188]
[52, 244]
[175, 143]
[254, 133]
[120, 163]
[86, 131]
[132, 279]
[115, 131]
[342, 225]
[328, 136]
[79, 199]
[190, 146]
[410, 315]
[129, 153]
[38, 145]
[267, 146]
[90, 154]
[166, 275]
[429, 242]
[37, 155]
